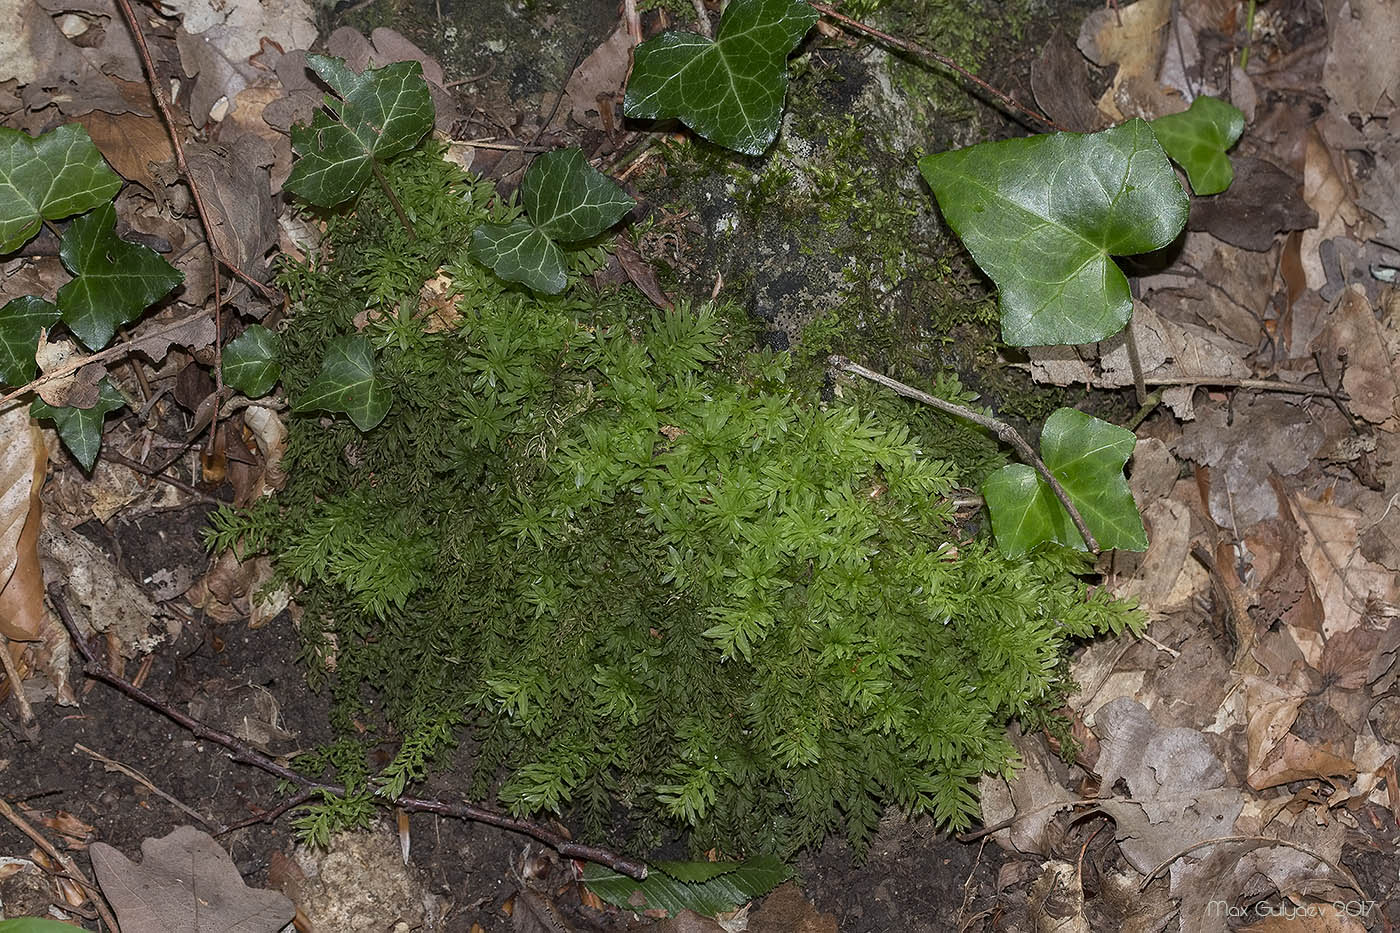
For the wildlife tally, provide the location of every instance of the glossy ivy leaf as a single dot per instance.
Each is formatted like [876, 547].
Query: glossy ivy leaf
[1087, 456]
[729, 90]
[380, 113]
[80, 429]
[1043, 215]
[114, 281]
[347, 383]
[565, 199]
[707, 888]
[21, 321]
[1197, 139]
[250, 362]
[518, 252]
[57, 175]
[568, 199]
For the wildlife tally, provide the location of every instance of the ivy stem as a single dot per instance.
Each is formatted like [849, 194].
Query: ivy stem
[1004, 432]
[244, 753]
[905, 46]
[393, 198]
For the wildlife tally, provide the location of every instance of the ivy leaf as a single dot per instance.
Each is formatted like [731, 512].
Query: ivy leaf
[520, 252]
[346, 383]
[1197, 138]
[1043, 215]
[707, 888]
[57, 175]
[565, 199]
[21, 321]
[250, 362]
[80, 429]
[380, 113]
[1087, 456]
[114, 281]
[568, 199]
[731, 90]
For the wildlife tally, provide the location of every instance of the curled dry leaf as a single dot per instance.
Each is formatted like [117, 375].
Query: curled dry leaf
[23, 461]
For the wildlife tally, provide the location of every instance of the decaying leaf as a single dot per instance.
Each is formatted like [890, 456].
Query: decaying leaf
[185, 883]
[23, 462]
[101, 597]
[1177, 784]
[1361, 354]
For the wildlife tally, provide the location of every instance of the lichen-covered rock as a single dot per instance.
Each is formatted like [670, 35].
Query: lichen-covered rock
[359, 884]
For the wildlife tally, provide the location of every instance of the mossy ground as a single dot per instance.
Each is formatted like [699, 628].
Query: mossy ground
[827, 244]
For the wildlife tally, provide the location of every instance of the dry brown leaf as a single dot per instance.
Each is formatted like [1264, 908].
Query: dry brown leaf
[131, 142]
[1362, 73]
[1131, 37]
[1343, 579]
[23, 462]
[1361, 354]
[1177, 784]
[597, 82]
[185, 881]
[1327, 190]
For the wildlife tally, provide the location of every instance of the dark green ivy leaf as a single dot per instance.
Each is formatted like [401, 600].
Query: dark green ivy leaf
[1044, 215]
[707, 888]
[519, 252]
[1087, 456]
[1197, 140]
[347, 383]
[380, 113]
[114, 281]
[568, 199]
[21, 320]
[80, 429]
[57, 175]
[250, 362]
[731, 90]
[565, 199]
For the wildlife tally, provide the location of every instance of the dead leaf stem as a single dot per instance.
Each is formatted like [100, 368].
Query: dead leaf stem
[1004, 432]
[244, 753]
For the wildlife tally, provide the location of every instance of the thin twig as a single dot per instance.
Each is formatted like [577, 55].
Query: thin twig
[1004, 432]
[139, 778]
[268, 816]
[507, 147]
[70, 866]
[634, 21]
[155, 85]
[157, 473]
[215, 258]
[906, 46]
[491, 66]
[244, 753]
[115, 350]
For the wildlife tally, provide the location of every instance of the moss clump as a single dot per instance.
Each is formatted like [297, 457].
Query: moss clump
[635, 564]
